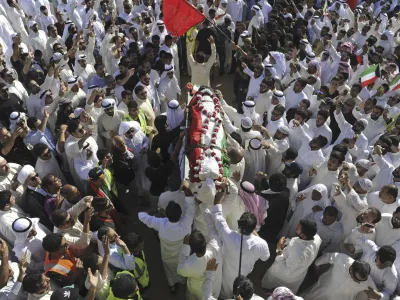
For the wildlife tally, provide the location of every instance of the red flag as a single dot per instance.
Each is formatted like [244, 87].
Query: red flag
[352, 4]
[180, 16]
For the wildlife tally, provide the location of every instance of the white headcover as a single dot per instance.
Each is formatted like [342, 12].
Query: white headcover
[175, 114]
[24, 173]
[21, 228]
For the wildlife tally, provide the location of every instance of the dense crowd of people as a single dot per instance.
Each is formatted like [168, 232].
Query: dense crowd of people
[96, 130]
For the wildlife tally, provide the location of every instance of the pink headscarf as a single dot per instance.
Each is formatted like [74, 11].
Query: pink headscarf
[282, 293]
[252, 202]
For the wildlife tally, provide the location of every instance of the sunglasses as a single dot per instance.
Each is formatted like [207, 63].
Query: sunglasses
[34, 177]
[130, 131]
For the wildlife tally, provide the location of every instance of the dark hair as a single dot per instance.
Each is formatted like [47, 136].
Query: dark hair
[132, 240]
[153, 159]
[392, 190]
[52, 242]
[302, 113]
[250, 221]
[395, 140]
[142, 73]
[277, 182]
[123, 285]
[58, 217]
[38, 149]
[5, 197]
[244, 287]
[32, 282]
[341, 148]
[337, 155]
[397, 210]
[303, 82]
[331, 211]
[237, 137]
[102, 153]
[386, 254]
[160, 122]
[362, 268]
[323, 113]
[197, 242]
[73, 125]
[125, 93]
[133, 105]
[377, 213]
[47, 181]
[138, 89]
[91, 262]
[308, 228]
[291, 153]
[322, 140]
[103, 230]
[31, 122]
[280, 108]
[173, 212]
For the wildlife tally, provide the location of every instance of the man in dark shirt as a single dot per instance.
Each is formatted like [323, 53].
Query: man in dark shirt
[126, 78]
[202, 43]
[224, 34]
[13, 149]
[9, 103]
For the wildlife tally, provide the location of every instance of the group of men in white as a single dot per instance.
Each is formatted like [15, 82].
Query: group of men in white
[313, 148]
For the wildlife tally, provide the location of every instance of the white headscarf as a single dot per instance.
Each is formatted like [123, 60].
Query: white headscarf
[15, 117]
[136, 143]
[108, 103]
[254, 157]
[249, 109]
[21, 228]
[24, 173]
[82, 164]
[175, 114]
[280, 65]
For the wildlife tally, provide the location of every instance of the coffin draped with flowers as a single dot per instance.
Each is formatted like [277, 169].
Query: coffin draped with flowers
[207, 158]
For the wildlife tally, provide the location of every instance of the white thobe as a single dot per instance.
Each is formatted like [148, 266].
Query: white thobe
[235, 10]
[171, 238]
[7, 179]
[105, 124]
[86, 74]
[385, 233]
[38, 42]
[253, 89]
[263, 102]
[247, 136]
[254, 248]
[293, 99]
[352, 239]
[290, 268]
[236, 117]
[331, 235]
[274, 155]
[374, 128]
[384, 176]
[17, 88]
[255, 162]
[16, 19]
[296, 140]
[385, 279]
[169, 89]
[325, 176]
[51, 166]
[77, 98]
[13, 288]
[375, 201]
[168, 196]
[337, 282]
[201, 71]
[350, 205]
[314, 131]
[194, 267]
[346, 131]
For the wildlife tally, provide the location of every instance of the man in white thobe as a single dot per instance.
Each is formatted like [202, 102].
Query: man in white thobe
[172, 231]
[388, 229]
[248, 111]
[329, 230]
[254, 247]
[381, 261]
[8, 179]
[293, 258]
[193, 266]
[38, 39]
[385, 200]
[344, 280]
[318, 126]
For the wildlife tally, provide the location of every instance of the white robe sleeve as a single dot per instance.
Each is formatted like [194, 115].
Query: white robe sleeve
[188, 214]
[328, 258]
[354, 200]
[151, 221]
[184, 269]
[208, 284]
[215, 242]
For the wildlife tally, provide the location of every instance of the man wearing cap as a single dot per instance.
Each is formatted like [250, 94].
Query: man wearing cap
[246, 131]
[385, 200]
[109, 121]
[38, 39]
[75, 93]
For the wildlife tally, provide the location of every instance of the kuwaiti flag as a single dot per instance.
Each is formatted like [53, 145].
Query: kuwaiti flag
[370, 75]
[395, 84]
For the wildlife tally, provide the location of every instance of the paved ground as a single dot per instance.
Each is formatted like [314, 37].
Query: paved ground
[159, 289]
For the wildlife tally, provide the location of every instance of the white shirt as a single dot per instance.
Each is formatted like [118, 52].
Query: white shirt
[254, 248]
[253, 89]
[293, 99]
[331, 235]
[385, 233]
[324, 130]
[375, 201]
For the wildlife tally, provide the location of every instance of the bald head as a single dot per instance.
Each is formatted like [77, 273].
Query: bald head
[71, 193]
[235, 156]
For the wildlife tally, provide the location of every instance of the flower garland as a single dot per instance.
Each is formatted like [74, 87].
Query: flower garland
[215, 116]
